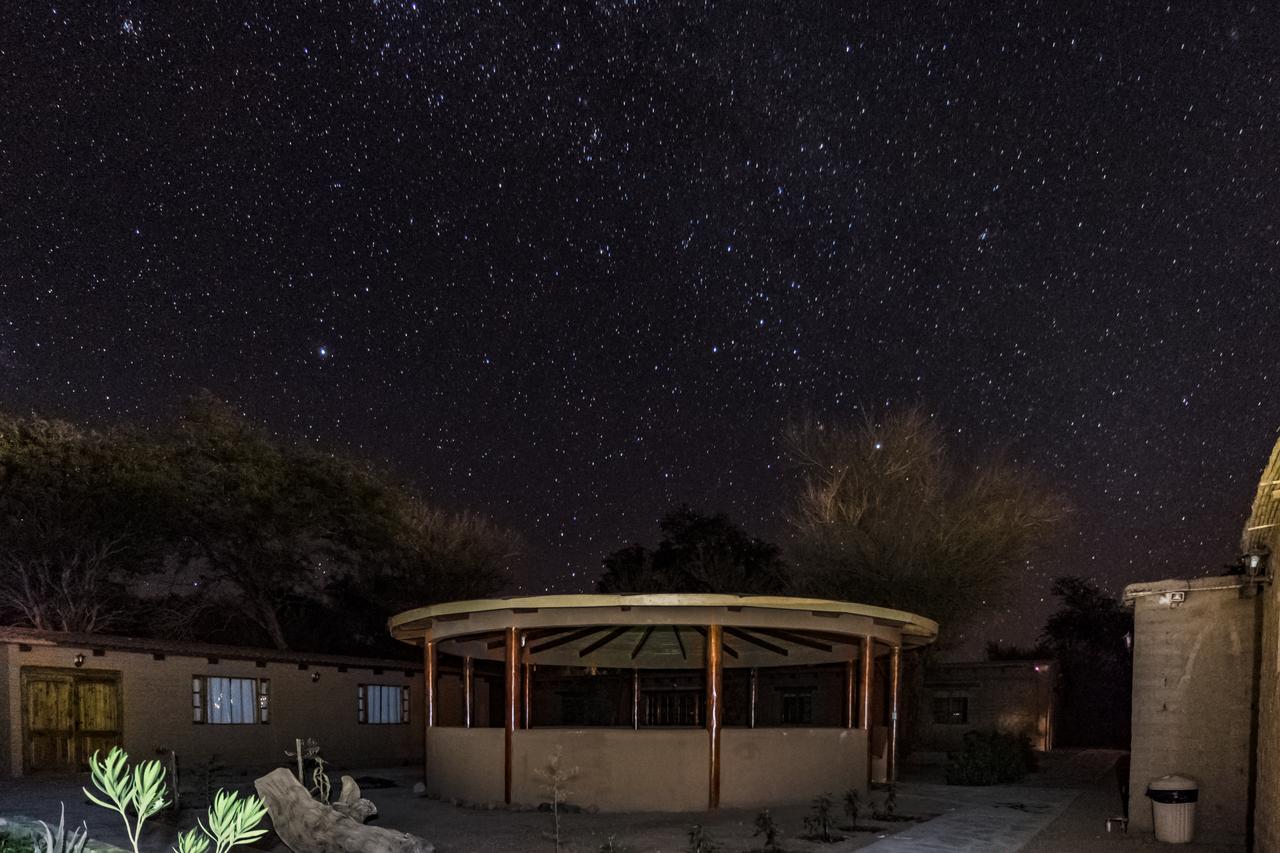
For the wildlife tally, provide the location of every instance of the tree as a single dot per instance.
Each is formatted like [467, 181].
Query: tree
[308, 543]
[886, 514]
[216, 530]
[698, 553]
[78, 512]
[1090, 637]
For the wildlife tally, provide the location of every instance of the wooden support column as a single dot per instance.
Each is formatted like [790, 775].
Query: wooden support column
[868, 675]
[635, 699]
[850, 692]
[715, 683]
[428, 699]
[755, 695]
[511, 715]
[468, 689]
[895, 680]
[526, 702]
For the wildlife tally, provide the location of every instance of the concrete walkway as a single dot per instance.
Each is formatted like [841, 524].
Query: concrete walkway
[1062, 809]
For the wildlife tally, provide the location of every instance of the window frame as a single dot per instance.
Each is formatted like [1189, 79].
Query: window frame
[363, 704]
[950, 710]
[200, 697]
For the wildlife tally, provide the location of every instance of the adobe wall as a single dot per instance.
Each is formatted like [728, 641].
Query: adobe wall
[1267, 820]
[767, 767]
[157, 710]
[1193, 686]
[1015, 697]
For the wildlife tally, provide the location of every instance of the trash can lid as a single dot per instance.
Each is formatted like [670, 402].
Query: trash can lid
[1173, 782]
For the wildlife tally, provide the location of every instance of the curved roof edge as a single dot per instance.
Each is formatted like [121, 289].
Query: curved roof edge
[402, 624]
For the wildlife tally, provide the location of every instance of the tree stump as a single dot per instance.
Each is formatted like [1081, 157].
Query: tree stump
[307, 826]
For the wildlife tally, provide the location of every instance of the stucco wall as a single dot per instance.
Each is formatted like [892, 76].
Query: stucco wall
[762, 767]
[1011, 696]
[619, 769]
[12, 719]
[466, 763]
[1192, 691]
[157, 709]
[1267, 823]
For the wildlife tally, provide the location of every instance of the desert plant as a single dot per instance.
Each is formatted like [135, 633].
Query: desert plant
[820, 823]
[891, 801]
[990, 757]
[58, 842]
[140, 790]
[554, 778]
[611, 845]
[232, 821]
[851, 806]
[766, 826]
[701, 842]
[309, 750]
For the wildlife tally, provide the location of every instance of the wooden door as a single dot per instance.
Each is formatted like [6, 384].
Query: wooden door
[67, 714]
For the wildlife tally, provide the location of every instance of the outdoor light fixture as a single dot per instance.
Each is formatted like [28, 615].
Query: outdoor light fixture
[79, 659]
[315, 676]
[1255, 561]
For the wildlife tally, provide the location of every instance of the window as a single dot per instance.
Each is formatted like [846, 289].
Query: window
[230, 701]
[797, 708]
[382, 704]
[951, 710]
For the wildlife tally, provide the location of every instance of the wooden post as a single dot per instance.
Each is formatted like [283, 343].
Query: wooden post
[468, 689]
[755, 694]
[895, 679]
[868, 673]
[526, 702]
[715, 681]
[511, 717]
[635, 699]
[429, 699]
[850, 692]
[868, 676]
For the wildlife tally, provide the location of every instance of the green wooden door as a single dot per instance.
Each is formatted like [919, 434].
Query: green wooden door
[67, 714]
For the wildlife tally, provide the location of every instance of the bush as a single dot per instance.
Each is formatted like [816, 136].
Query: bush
[991, 757]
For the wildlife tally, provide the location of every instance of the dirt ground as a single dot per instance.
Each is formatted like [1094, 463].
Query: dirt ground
[456, 829]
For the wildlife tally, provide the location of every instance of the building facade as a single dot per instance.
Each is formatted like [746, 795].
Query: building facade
[1206, 688]
[63, 696]
[1015, 697]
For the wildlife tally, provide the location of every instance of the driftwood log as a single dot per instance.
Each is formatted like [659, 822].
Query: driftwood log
[351, 804]
[307, 826]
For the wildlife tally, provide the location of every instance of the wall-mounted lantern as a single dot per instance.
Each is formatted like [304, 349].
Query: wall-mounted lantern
[79, 659]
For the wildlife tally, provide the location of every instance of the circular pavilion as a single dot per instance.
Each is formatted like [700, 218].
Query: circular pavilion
[662, 702]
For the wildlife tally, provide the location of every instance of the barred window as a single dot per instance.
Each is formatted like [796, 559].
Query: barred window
[382, 704]
[218, 700]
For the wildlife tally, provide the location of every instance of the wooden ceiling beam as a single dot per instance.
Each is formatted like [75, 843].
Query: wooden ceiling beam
[574, 636]
[756, 641]
[605, 640]
[644, 638]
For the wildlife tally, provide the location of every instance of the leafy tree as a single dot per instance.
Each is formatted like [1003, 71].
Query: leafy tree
[1089, 636]
[78, 512]
[217, 530]
[887, 514]
[698, 553]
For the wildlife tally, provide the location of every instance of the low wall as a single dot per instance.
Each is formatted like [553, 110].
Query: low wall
[659, 770]
[618, 769]
[1267, 799]
[762, 767]
[467, 764]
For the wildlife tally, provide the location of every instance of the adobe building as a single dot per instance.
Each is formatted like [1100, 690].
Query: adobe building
[1012, 696]
[662, 702]
[62, 696]
[1206, 697]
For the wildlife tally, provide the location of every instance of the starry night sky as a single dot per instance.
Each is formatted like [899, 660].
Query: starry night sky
[577, 264]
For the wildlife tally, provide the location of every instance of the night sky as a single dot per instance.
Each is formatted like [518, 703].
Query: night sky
[575, 265]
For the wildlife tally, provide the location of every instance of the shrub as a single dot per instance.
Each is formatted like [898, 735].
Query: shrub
[990, 757]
